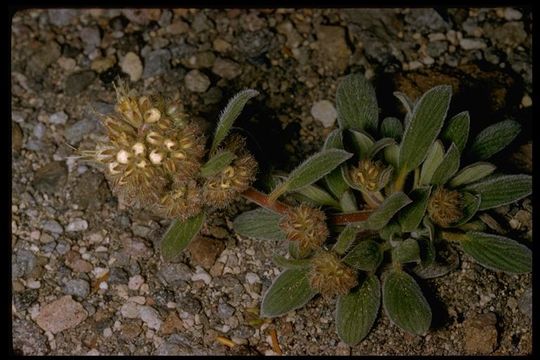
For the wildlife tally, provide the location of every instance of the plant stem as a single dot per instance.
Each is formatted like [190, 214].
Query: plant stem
[400, 180]
[453, 236]
[264, 201]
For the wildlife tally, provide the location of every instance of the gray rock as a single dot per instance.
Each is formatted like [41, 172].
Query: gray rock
[28, 339]
[23, 300]
[472, 44]
[91, 38]
[183, 51]
[512, 14]
[140, 230]
[437, 48]
[39, 130]
[294, 39]
[150, 316]
[244, 332]
[525, 303]
[174, 273]
[187, 303]
[87, 193]
[77, 287]
[24, 264]
[200, 60]
[225, 310]
[76, 132]
[162, 297]
[52, 226]
[42, 58]
[61, 17]
[196, 81]
[254, 43]
[77, 225]
[63, 247]
[427, 19]
[131, 64]
[49, 247]
[58, 118]
[510, 34]
[156, 62]
[325, 112]
[61, 314]
[118, 276]
[213, 95]
[201, 23]
[226, 69]
[78, 82]
[51, 177]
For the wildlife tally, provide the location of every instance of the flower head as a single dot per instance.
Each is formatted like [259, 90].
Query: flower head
[306, 225]
[445, 207]
[331, 277]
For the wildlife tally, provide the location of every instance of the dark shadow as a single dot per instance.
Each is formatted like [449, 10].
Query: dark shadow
[439, 310]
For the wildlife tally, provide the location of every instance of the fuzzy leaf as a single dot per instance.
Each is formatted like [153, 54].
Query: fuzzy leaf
[391, 155]
[382, 215]
[259, 224]
[471, 203]
[334, 140]
[472, 173]
[426, 123]
[311, 170]
[404, 302]
[390, 230]
[436, 268]
[380, 145]
[217, 163]
[335, 183]
[283, 262]
[357, 311]
[501, 190]
[391, 127]
[407, 103]
[348, 201]
[411, 215]
[407, 251]
[289, 291]
[296, 253]
[434, 158]
[498, 253]
[457, 130]
[229, 115]
[356, 104]
[366, 256]
[493, 139]
[317, 196]
[345, 239]
[362, 142]
[179, 235]
[448, 166]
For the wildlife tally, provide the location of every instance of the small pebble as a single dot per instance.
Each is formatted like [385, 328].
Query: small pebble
[131, 64]
[325, 112]
[77, 225]
[196, 81]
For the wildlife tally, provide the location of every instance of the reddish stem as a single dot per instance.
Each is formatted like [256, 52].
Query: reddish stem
[263, 200]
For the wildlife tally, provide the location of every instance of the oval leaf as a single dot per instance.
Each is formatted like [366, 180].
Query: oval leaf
[501, 190]
[217, 163]
[345, 239]
[311, 170]
[179, 235]
[380, 145]
[391, 155]
[382, 215]
[357, 311]
[411, 215]
[498, 253]
[361, 141]
[334, 140]
[259, 224]
[283, 262]
[404, 303]
[472, 173]
[317, 196]
[289, 291]
[229, 115]
[406, 251]
[366, 256]
[493, 139]
[448, 166]
[457, 130]
[434, 158]
[391, 127]
[426, 123]
[348, 201]
[356, 104]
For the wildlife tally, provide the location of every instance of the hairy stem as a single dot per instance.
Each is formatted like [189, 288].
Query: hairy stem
[264, 201]
[400, 180]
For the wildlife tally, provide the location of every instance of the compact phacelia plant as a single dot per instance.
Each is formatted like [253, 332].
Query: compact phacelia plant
[382, 203]
[157, 158]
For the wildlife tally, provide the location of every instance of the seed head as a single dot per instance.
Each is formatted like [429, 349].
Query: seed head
[329, 276]
[305, 225]
[182, 201]
[445, 207]
[367, 174]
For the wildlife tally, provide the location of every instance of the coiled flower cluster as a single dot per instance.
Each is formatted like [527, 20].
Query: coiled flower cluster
[154, 154]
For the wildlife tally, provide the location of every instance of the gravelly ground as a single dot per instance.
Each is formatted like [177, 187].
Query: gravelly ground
[87, 275]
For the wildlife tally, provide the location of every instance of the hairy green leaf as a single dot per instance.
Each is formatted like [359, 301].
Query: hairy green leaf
[229, 115]
[437, 268]
[335, 183]
[382, 215]
[501, 190]
[448, 166]
[498, 253]
[472, 173]
[392, 127]
[411, 215]
[366, 256]
[345, 239]
[334, 140]
[407, 103]
[289, 291]
[362, 142]
[317, 196]
[404, 302]
[426, 123]
[311, 170]
[356, 104]
[406, 251]
[434, 158]
[348, 201]
[259, 224]
[493, 139]
[179, 235]
[391, 155]
[283, 262]
[296, 252]
[217, 163]
[457, 130]
[380, 145]
[357, 311]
